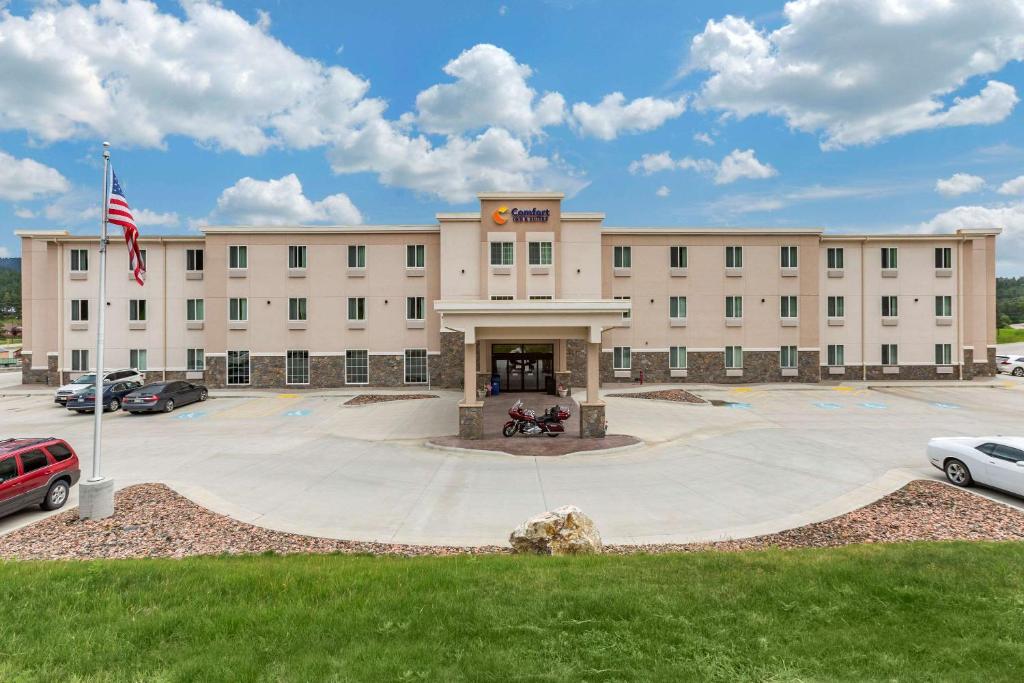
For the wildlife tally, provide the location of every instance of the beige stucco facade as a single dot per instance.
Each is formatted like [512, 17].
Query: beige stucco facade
[598, 300]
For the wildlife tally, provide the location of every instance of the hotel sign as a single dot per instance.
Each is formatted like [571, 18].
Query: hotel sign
[534, 215]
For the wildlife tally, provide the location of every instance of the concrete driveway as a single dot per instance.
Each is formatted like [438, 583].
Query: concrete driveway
[771, 458]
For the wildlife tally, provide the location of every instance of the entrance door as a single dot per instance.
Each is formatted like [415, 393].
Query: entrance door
[523, 367]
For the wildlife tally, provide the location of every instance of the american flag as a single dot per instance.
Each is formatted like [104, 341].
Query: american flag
[119, 213]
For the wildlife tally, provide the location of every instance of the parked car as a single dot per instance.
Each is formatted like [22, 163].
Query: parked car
[89, 379]
[36, 472]
[1013, 365]
[163, 396]
[996, 461]
[113, 396]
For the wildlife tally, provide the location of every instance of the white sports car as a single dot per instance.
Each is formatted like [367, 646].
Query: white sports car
[996, 461]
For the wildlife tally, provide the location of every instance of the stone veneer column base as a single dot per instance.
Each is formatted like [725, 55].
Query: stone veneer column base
[471, 421]
[593, 424]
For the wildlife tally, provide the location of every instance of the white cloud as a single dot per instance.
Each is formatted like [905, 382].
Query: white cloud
[1014, 186]
[490, 90]
[958, 184]
[1008, 217]
[5, 252]
[612, 115]
[280, 202]
[704, 138]
[663, 191]
[734, 166]
[503, 10]
[145, 218]
[859, 72]
[22, 179]
[25, 213]
[739, 204]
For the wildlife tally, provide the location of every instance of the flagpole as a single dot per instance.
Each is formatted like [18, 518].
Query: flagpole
[96, 495]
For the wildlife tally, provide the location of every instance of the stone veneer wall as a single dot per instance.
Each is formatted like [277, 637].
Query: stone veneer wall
[52, 376]
[28, 375]
[709, 367]
[216, 373]
[875, 373]
[326, 372]
[968, 367]
[449, 369]
[387, 371]
[850, 373]
[576, 362]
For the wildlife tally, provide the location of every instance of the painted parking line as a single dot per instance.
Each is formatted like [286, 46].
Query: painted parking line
[191, 415]
[873, 406]
[946, 406]
[287, 395]
[302, 412]
[740, 405]
[824, 405]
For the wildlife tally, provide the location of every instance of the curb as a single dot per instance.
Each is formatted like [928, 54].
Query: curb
[484, 451]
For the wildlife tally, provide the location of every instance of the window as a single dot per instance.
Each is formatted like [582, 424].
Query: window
[501, 297]
[540, 253]
[835, 258]
[943, 257]
[296, 257]
[734, 357]
[79, 360]
[414, 308]
[238, 367]
[734, 257]
[787, 307]
[836, 306]
[626, 315]
[238, 310]
[734, 307]
[357, 256]
[415, 366]
[33, 460]
[194, 260]
[836, 354]
[890, 354]
[888, 258]
[890, 309]
[195, 360]
[297, 308]
[677, 307]
[677, 357]
[137, 359]
[357, 308]
[297, 367]
[621, 358]
[787, 357]
[787, 257]
[502, 253]
[622, 257]
[194, 310]
[79, 310]
[357, 369]
[943, 354]
[142, 254]
[59, 451]
[137, 310]
[944, 306]
[540, 297]
[238, 256]
[677, 257]
[79, 260]
[415, 255]
[1001, 451]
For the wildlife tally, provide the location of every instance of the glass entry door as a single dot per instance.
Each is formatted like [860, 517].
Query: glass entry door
[523, 367]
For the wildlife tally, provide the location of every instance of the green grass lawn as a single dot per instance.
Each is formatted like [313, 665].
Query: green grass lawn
[899, 612]
[1009, 335]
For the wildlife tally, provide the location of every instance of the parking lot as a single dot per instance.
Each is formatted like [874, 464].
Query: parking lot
[768, 458]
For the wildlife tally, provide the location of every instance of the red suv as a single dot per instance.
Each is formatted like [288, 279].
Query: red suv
[36, 472]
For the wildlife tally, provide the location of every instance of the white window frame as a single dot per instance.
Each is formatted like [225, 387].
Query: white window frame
[406, 365]
[890, 354]
[890, 258]
[240, 312]
[137, 310]
[193, 355]
[943, 354]
[543, 259]
[836, 355]
[357, 256]
[142, 255]
[678, 256]
[303, 377]
[416, 305]
[789, 308]
[297, 256]
[674, 353]
[622, 358]
[788, 357]
[677, 303]
[194, 307]
[943, 306]
[238, 256]
[733, 357]
[736, 302]
[622, 256]
[78, 307]
[835, 258]
[734, 256]
[138, 359]
[416, 256]
[348, 365]
[943, 258]
[191, 259]
[502, 297]
[360, 308]
[79, 360]
[626, 315]
[788, 256]
[836, 306]
[298, 309]
[890, 306]
[248, 368]
[505, 253]
[77, 254]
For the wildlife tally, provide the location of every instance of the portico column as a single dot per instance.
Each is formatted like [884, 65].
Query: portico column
[471, 411]
[593, 373]
[592, 416]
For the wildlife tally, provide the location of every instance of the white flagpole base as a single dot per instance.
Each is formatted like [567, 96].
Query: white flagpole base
[95, 499]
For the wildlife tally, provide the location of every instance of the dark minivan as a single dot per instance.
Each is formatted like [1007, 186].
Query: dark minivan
[36, 472]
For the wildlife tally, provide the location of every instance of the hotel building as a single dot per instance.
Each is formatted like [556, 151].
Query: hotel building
[521, 290]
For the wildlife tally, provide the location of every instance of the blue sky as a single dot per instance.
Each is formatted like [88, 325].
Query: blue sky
[859, 116]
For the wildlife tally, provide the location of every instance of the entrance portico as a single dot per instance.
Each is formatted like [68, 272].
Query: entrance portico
[554, 322]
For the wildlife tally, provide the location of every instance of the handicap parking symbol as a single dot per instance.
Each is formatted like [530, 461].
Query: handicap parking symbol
[740, 405]
[192, 415]
[297, 413]
[828, 406]
[874, 406]
[946, 406]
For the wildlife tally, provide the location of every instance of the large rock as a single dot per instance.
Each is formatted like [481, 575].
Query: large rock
[565, 531]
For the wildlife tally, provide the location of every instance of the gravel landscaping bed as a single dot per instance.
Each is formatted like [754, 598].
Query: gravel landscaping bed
[366, 399]
[677, 395]
[922, 510]
[151, 520]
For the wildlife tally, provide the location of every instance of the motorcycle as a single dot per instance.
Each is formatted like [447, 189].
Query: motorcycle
[525, 421]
